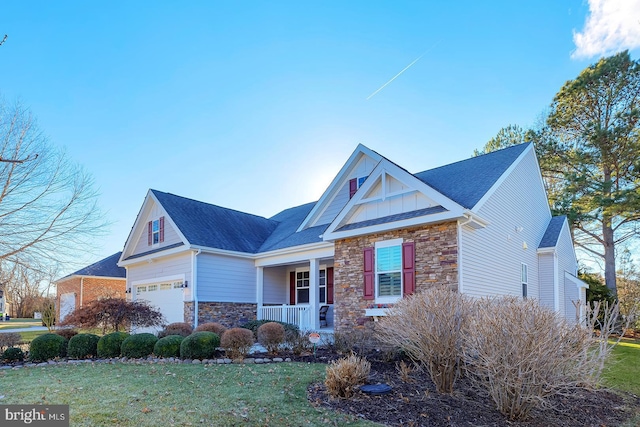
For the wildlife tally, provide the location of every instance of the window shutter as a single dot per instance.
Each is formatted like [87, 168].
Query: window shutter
[329, 285]
[353, 187]
[149, 232]
[292, 288]
[409, 268]
[369, 283]
[161, 229]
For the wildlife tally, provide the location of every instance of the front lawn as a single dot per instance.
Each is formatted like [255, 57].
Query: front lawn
[175, 394]
[623, 370]
[20, 323]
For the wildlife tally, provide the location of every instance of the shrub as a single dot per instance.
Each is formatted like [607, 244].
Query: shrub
[66, 333]
[177, 328]
[199, 345]
[109, 345]
[83, 346]
[354, 341]
[214, 327]
[9, 339]
[138, 345]
[237, 342]
[299, 343]
[345, 374]
[168, 346]
[428, 326]
[253, 325]
[46, 347]
[13, 354]
[271, 335]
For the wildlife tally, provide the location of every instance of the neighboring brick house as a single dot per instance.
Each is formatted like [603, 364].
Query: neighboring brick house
[481, 226]
[99, 280]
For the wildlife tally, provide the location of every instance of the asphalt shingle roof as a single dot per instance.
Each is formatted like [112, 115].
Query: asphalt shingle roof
[466, 181]
[285, 236]
[212, 226]
[391, 218]
[550, 238]
[107, 267]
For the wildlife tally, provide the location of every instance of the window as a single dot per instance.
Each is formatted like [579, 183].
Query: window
[155, 230]
[524, 278]
[302, 287]
[388, 263]
[152, 288]
[322, 285]
[361, 180]
[141, 289]
[165, 286]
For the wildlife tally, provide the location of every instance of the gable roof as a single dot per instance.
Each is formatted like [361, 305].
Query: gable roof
[107, 267]
[285, 235]
[467, 181]
[551, 235]
[207, 225]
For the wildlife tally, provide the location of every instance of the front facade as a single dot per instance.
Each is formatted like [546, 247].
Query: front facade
[481, 226]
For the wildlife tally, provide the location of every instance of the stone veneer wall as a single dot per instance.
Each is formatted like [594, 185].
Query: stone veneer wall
[229, 314]
[436, 251]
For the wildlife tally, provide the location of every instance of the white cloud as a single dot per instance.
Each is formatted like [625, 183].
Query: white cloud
[611, 26]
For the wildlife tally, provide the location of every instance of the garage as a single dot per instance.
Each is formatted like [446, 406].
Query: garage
[67, 304]
[166, 297]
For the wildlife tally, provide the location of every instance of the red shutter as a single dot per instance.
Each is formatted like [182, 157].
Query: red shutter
[292, 288]
[409, 268]
[149, 232]
[353, 187]
[369, 283]
[161, 229]
[329, 285]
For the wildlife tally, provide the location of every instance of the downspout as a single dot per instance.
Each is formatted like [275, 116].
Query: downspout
[194, 286]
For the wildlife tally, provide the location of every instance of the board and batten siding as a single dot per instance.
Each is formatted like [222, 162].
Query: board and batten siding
[518, 213]
[170, 235]
[362, 168]
[276, 285]
[566, 263]
[226, 279]
[546, 273]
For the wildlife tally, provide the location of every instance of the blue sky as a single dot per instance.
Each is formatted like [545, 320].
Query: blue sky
[256, 105]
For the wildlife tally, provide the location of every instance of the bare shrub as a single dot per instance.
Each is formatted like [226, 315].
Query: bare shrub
[113, 314]
[271, 335]
[523, 353]
[428, 327]
[404, 369]
[214, 327]
[9, 339]
[237, 342]
[298, 343]
[177, 328]
[353, 341]
[345, 374]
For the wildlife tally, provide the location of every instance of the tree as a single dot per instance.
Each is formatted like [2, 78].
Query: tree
[629, 287]
[23, 291]
[47, 203]
[114, 314]
[506, 137]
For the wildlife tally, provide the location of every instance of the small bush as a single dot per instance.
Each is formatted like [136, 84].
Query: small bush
[66, 333]
[271, 335]
[138, 345]
[299, 343]
[199, 345]
[109, 345]
[214, 327]
[253, 325]
[46, 347]
[355, 341]
[82, 346]
[13, 354]
[177, 328]
[9, 339]
[168, 346]
[345, 374]
[237, 342]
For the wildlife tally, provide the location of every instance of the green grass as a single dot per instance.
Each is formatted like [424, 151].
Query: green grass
[20, 323]
[623, 370]
[168, 395]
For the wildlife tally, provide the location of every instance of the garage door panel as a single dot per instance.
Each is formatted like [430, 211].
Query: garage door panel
[166, 298]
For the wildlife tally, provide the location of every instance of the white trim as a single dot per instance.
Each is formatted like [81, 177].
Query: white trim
[301, 253]
[174, 278]
[331, 191]
[387, 244]
[459, 245]
[556, 283]
[156, 255]
[576, 280]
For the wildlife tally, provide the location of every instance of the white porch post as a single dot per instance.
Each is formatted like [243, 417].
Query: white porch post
[314, 293]
[259, 291]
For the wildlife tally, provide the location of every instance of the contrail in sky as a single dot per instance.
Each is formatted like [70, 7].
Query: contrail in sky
[403, 70]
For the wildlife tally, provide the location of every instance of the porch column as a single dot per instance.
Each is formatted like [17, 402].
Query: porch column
[314, 293]
[259, 291]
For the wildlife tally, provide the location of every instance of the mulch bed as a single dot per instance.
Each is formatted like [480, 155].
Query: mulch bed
[416, 402]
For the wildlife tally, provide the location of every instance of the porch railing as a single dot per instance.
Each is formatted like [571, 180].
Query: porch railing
[297, 314]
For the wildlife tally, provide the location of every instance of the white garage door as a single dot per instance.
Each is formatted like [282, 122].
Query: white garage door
[167, 297]
[67, 304]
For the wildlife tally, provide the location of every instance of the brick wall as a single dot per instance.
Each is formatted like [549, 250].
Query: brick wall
[436, 250]
[229, 314]
[91, 288]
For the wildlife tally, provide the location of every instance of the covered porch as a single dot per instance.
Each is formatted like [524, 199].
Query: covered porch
[298, 292]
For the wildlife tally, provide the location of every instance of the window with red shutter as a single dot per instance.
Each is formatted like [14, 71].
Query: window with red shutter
[330, 285]
[292, 288]
[353, 187]
[149, 232]
[161, 237]
[369, 278]
[408, 268]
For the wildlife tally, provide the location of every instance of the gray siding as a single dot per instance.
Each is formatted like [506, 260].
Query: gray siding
[491, 257]
[276, 285]
[170, 234]
[226, 279]
[545, 274]
[566, 262]
[571, 295]
[169, 266]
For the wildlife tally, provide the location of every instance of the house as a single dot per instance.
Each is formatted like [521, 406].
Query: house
[481, 226]
[99, 280]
